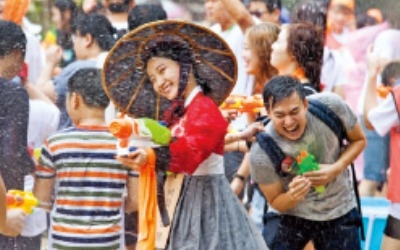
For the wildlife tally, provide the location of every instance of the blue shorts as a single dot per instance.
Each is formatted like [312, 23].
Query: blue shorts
[376, 155]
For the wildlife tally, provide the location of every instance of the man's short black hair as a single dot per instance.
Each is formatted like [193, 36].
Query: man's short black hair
[271, 4]
[279, 88]
[145, 13]
[12, 38]
[98, 26]
[87, 83]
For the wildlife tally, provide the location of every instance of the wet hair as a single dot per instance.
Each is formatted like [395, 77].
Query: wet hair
[87, 83]
[305, 43]
[174, 48]
[98, 26]
[145, 13]
[270, 4]
[279, 88]
[261, 37]
[391, 70]
[311, 11]
[12, 38]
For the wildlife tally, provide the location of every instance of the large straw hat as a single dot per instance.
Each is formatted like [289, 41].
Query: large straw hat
[124, 74]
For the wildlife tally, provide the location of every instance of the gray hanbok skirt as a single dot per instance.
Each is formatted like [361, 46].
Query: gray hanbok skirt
[209, 216]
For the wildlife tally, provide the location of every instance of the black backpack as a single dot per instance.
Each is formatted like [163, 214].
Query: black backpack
[326, 115]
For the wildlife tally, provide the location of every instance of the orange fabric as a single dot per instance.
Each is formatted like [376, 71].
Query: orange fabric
[147, 204]
[15, 10]
[393, 193]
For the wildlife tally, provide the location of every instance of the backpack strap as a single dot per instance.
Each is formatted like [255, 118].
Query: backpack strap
[326, 115]
[272, 149]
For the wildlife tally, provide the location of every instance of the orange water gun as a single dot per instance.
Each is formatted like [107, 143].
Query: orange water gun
[21, 199]
[138, 132]
[244, 104]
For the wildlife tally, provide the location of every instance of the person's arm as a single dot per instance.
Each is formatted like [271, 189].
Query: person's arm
[131, 200]
[45, 83]
[242, 174]
[239, 13]
[282, 200]
[43, 191]
[339, 90]
[37, 94]
[375, 65]
[328, 172]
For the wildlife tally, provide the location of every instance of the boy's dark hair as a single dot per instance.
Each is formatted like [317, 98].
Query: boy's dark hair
[145, 13]
[279, 88]
[12, 38]
[98, 26]
[270, 4]
[311, 11]
[87, 83]
[392, 70]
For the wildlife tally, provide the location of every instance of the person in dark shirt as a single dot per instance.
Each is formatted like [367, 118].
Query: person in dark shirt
[15, 161]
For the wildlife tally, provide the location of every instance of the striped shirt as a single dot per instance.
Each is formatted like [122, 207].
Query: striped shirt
[90, 183]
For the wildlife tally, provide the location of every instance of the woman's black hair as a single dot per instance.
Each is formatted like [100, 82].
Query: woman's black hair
[180, 51]
[98, 26]
[306, 44]
[67, 5]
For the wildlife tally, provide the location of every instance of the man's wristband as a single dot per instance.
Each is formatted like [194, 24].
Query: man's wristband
[240, 177]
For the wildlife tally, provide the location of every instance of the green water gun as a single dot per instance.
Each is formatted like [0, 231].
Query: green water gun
[305, 162]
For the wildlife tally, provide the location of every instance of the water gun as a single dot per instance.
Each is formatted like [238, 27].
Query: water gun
[138, 132]
[305, 162]
[251, 104]
[21, 199]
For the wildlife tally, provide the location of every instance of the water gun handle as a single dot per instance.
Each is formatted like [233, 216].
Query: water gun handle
[20, 199]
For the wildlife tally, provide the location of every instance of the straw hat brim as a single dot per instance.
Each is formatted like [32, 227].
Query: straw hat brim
[127, 85]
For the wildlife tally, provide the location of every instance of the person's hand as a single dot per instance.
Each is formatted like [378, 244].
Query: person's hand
[88, 6]
[375, 62]
[15, 222]
[229, 114]
[54, 55]
[323, 176]
[299, 188]
[237, 186]
[249, 133]
[134, 160]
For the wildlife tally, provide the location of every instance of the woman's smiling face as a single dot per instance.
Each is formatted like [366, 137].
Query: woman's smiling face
[163, 73]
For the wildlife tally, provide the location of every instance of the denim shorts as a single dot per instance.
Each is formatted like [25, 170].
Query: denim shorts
[376, 155]
[341, 233]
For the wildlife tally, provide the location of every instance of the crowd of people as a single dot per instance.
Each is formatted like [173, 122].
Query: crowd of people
[326, 73]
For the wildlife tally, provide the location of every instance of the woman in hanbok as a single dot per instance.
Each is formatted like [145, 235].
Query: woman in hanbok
[184, 72]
